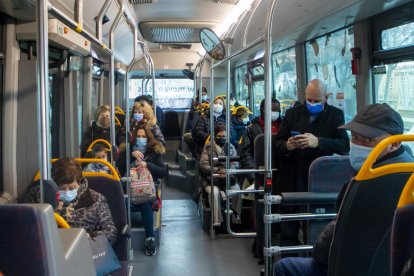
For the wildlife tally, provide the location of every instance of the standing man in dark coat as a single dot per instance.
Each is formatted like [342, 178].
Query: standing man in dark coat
[308, 131]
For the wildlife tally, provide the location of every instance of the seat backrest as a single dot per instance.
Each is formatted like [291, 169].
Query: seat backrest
[259, 159]
[31, 245]
[402, 238]
[402, 234]
[114, 194]
[172, 128]
[361, 242]
[327, 174]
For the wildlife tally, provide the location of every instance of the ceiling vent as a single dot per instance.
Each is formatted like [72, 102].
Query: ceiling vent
[171, 32]
[136, 2]
[229, 2]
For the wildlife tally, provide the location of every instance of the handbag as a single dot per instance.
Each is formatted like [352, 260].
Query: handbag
[142, 186]
[103, 255]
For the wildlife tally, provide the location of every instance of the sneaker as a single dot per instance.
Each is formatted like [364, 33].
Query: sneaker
[150, 248]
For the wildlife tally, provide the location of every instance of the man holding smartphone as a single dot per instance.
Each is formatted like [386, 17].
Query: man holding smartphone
[308, 131]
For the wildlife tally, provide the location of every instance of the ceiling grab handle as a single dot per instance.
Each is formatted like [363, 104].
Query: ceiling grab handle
[99, 19]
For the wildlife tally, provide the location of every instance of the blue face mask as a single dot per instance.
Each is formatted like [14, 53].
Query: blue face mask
[204, 98]
[141, 144]
[138, 116]
[358, 154]
[246, 120]
[68, 196]
[315, 108]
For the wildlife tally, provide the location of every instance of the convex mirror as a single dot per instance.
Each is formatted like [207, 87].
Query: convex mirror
[212, 44]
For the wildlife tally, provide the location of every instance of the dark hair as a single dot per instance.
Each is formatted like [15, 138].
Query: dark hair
[66, 170]
[219, 127]
[142, 98]
[203, 89]
[151, 142]
[98, 147]
[263, 103]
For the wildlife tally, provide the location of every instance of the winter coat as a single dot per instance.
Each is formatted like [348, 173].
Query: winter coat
[155, 164]
[293, 166]
[322, 246]
[89, 210]
[237, 129]
[201, 130]
[246, 148]
[97, 167]
[95, 132]
[205, 167]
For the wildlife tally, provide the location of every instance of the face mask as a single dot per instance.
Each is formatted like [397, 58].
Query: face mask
[358, 154]
[232, 103]
[104, 121]
[275, 115]
[138, 116]
[217, 108]
[245, 120]
[68, 196]
[141, 144]
[204, 98]
[314, 108]
[221, 141]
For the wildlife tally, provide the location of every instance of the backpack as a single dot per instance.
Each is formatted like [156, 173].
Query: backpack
[142, 186]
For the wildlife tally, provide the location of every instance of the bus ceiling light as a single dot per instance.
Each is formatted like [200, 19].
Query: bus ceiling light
[242, 6]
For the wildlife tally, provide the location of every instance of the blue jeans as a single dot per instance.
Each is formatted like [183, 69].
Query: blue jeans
[296, 266]
[147, 218]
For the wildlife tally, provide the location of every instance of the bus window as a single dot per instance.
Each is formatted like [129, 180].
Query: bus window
[241, 89]
[394, 85]
[328, 58]
[399, 36]
[258, 95]
[171, 93]
[284, 77]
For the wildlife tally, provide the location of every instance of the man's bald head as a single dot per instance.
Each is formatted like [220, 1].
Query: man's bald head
[315, 91]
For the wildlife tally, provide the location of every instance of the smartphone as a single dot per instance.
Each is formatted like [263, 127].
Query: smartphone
[294, 133]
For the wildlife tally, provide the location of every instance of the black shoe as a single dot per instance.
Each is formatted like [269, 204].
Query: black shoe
[150, 248]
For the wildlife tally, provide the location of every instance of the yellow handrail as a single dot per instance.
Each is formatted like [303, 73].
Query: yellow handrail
[367, 172]
[61, 222]
[99, 141]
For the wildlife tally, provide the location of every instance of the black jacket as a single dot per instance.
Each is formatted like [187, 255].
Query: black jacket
[95, 132]
[201, 130]
[246, 148]
[294, 165]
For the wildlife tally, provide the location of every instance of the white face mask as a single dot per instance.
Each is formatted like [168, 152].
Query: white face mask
[217, 108]
[358, 154]
[275, 115]
[68, 196]
[204, 97]
[246, 120]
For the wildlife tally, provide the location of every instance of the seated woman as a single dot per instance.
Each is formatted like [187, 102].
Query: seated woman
[143, 115]
[201, 129]
[100, 129]
[99, 152]
[147, 152]
[219, 168]
[80, 206]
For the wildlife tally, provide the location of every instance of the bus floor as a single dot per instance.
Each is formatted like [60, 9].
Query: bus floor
[186, 249]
